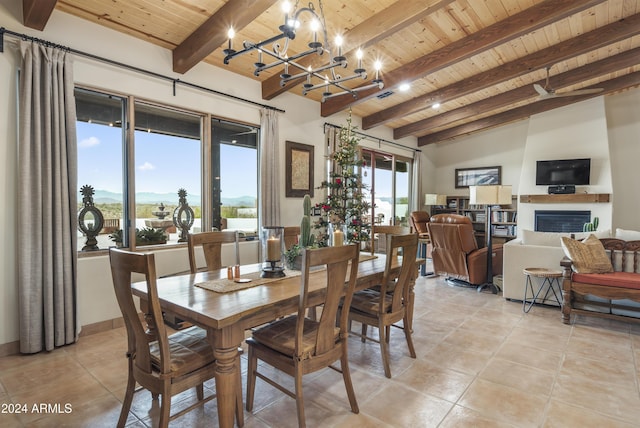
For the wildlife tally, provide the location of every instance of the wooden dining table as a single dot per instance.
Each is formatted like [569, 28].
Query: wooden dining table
[226, 316]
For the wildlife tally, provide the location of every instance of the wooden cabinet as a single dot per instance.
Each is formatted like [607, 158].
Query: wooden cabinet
[504, 221]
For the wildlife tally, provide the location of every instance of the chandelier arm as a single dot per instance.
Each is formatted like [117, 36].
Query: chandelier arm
[280, 60]
[306, 72]
[250, 46]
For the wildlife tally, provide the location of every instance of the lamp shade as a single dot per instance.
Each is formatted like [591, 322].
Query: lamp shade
[435, 199]
[490, 195]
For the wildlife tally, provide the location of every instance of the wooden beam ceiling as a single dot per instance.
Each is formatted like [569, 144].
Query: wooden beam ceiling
[609, 86]
[36, 13]
[380, 26]
[531, 19]
[544, 58]
[572, 77]
[213, 33]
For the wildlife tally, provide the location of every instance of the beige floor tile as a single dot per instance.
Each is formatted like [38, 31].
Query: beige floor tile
[519, 376]
[533, 357]
[504, 403]
[563, 415]
[401, 406]
[434, 380]
[463, 417]
[481, 362]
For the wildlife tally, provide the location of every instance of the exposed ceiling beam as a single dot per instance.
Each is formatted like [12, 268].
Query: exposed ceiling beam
[531, 19]
[571, 77]
[579, 45]
[36, 13]
[213, 33]
[380, 26]
[609, 86]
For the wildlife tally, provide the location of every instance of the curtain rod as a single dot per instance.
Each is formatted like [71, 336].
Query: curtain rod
[174, 81]
[379, 140]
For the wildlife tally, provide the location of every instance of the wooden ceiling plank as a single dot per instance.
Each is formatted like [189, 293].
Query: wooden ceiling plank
[213, 33]
[36, 13]
[531, 19]
[589, 71]
[380, 26]
[582, 44]
[609, 86]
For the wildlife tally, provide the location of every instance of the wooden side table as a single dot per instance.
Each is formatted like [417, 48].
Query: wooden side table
[548, 277]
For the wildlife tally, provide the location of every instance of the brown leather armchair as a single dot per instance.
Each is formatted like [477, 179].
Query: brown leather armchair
[455, 251]
[418, 221]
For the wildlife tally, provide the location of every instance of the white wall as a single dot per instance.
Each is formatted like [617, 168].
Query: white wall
[575, 131]
[301, 123]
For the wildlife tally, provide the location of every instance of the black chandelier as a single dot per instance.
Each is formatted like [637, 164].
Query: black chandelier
[322, 77]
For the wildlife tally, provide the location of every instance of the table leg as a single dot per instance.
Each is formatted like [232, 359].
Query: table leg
[225, 345]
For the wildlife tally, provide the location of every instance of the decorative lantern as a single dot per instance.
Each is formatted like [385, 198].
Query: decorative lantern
[90, 219]
[272, 251]
[337, 234]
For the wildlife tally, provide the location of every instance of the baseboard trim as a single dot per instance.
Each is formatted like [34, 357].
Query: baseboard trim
[13, 348]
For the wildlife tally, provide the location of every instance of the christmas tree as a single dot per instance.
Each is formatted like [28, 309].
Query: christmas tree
[346, 203]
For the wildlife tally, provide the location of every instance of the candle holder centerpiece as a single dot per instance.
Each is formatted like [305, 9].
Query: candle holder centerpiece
[272, 251]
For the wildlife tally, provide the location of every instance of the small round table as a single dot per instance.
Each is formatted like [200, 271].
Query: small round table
[549, 277]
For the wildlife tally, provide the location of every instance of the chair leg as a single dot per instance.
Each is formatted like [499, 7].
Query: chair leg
[128, 398]
[239, 410]
[407, 335]
[251, 377]
[165, 407]
[363, 337]
[384, 350]
[299, 396]
[200, 392]
[346, 375]
[387, 331]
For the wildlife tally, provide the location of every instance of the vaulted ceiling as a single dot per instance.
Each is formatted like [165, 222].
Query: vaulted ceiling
[478, 59]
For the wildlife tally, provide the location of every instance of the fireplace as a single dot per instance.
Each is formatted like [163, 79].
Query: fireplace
[561, 221]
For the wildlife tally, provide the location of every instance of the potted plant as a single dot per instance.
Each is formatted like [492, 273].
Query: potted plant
[293, 256]
[145, 236]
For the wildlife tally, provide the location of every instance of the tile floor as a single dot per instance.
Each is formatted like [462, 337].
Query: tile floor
[481, 363]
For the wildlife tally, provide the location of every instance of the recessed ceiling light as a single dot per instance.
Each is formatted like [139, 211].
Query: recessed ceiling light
[435, 105]
[404, 87]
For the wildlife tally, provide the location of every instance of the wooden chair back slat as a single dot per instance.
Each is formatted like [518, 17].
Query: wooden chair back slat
[211, 243]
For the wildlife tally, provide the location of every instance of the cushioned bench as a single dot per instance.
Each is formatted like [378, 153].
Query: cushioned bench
[617, 293]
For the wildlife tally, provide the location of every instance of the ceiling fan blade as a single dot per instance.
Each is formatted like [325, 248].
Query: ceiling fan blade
[579, 92]
[540, 90]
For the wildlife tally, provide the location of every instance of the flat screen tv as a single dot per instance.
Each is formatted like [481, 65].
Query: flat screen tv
[563, 171]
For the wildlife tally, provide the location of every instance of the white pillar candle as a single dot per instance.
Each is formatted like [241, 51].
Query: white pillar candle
[338, 238]
[273, 249]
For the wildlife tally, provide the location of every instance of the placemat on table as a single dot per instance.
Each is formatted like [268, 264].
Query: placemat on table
[224, 285]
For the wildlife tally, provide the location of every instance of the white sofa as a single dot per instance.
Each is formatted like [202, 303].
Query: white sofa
[533, 249]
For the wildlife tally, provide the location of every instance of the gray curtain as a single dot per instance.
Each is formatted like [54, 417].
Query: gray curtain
[416, 188]
[47, 170]
[269, 168]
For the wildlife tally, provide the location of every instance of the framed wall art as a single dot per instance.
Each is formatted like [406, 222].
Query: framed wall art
[466, 177]
[299, 170]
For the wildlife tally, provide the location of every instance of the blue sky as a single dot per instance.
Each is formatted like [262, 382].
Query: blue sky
[163, 163]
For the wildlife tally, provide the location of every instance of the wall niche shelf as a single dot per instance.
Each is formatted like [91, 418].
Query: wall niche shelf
[566, 199]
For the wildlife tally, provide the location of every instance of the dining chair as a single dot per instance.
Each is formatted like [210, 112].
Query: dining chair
[211, 243]
[389, 303]
[297, 345]
[382, 232]
[163, 364]
[291, 234]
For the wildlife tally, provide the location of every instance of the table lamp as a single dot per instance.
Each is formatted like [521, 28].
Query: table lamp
[433, 199]
[489, 195]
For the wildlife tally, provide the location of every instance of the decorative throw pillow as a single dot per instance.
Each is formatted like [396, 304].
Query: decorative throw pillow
[627, 235]
[546, 239]
[588, 256]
